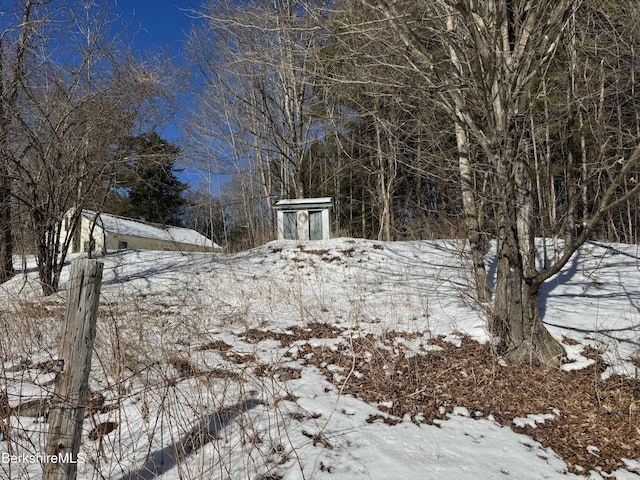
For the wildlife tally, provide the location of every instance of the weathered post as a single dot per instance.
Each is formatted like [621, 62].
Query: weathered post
[67, 410]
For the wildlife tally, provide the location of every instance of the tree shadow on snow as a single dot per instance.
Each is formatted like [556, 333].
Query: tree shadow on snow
[570, 274]
[563, 277]
[161, 461]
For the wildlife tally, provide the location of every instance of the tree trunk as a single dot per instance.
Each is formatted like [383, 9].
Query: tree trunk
[384, 200]
[6, 237]
[471, 213]
[8, 101]
[516, 316]
[470, 206]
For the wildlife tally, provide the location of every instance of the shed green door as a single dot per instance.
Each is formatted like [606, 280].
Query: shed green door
[289, 226]
[315, 225]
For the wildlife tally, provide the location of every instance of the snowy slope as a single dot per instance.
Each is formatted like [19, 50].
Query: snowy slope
[204, 360]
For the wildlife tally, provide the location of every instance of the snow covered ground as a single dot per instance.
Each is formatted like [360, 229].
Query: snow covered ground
[203, 365]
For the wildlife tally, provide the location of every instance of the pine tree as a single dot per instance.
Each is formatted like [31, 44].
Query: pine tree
[153, 191]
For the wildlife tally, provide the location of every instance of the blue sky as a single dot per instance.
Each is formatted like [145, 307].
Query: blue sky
[160, 24]
[160, 27]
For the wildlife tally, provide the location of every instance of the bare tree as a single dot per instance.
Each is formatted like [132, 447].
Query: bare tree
[256, 93]
[79, 99]
[12, 60]
[481, 61]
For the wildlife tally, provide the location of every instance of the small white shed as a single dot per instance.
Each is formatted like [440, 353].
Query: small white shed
[303, 218]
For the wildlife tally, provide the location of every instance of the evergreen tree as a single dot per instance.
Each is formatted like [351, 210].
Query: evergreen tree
[153, 191]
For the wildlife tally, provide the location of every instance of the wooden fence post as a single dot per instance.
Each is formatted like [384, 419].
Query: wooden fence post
[66, 414]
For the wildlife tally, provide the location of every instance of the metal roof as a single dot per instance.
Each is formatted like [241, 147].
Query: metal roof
[303, 203]
[137, 228]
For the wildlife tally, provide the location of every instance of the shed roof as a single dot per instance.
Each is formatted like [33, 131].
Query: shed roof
[137, 228]
[303, 203]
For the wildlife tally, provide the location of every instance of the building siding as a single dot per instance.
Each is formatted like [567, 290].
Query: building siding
[110, 241]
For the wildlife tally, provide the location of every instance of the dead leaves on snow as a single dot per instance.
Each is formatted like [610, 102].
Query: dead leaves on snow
[596, 422]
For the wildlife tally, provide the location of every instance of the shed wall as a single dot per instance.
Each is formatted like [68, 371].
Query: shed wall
[303, 225]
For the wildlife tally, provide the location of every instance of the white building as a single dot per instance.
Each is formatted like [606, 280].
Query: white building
[104, 232]
[303, 218]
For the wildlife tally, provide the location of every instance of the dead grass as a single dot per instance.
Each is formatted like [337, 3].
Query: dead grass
[588, 412]
[595, 424]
